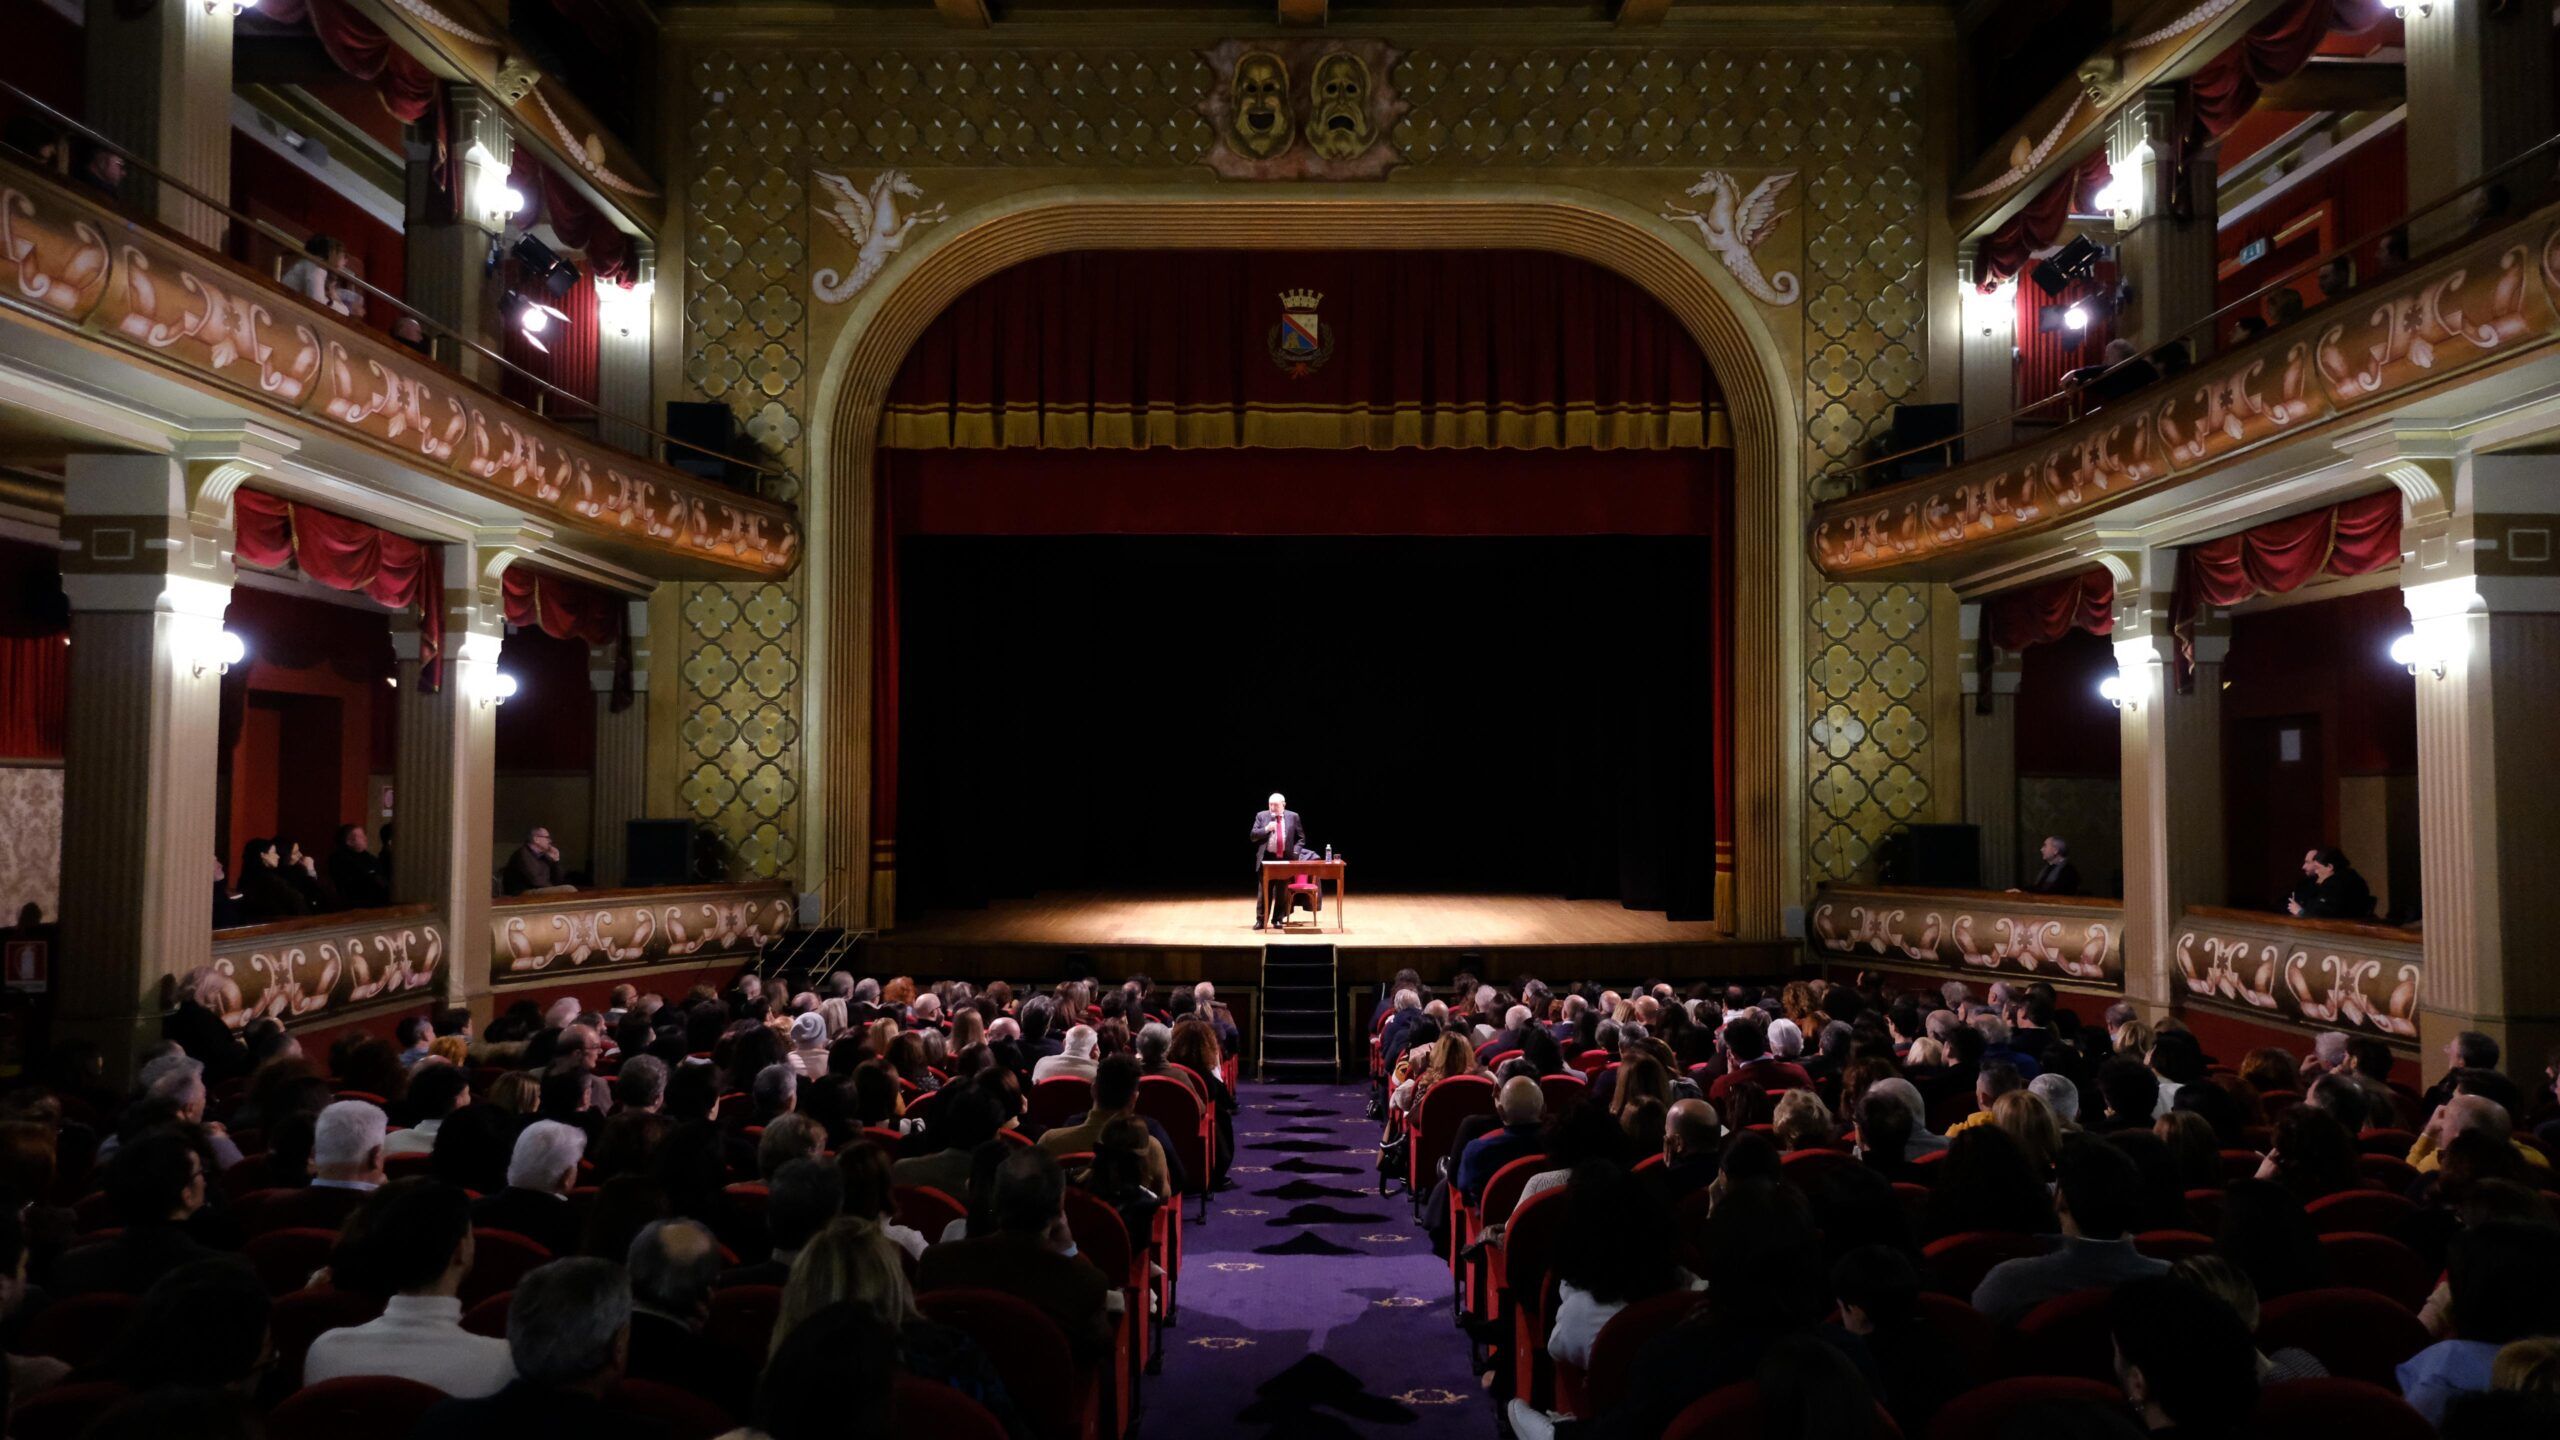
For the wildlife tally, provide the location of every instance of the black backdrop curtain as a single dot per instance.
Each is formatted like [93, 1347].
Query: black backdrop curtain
[1496, 714]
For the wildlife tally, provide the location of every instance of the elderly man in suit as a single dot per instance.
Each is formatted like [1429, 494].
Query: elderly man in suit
[1278, 834]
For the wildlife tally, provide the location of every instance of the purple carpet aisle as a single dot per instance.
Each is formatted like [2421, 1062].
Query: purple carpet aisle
[1311, 1306]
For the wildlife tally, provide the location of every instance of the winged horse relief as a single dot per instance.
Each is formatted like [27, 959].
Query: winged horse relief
[873, 222]
[1733, 225]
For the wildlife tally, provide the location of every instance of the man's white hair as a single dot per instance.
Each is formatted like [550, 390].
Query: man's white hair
[1485, 996]
[2331, 1047]
[928, 1005]
[170, 1076]
[1955, 993]
[1786, 1038]
[2059, 1096]
[1277, 799]
[1907, 1095]
[1080, 1040]
[545, 1151]
[1995, 1031]
[347, 1132]
[1437, 1009]
[1521, 1102]
[1515, 1017]
[560, 1012]
[1406, 1000]
[1203, 993]
[1004, 1027]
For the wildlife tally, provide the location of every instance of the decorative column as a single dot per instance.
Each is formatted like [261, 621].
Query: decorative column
[622, 358]
[617, 780]
[2165, 229]
[146, 565]
[159, 84]
[2193, 720]
[1990, 360]
[2478, 78]
[445, 772]
[1991, 753]
[448, 272]
[2483, 591]
[2171, 771]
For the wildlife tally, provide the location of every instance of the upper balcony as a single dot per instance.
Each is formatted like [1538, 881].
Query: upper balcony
[97, 303]
[2480, 318]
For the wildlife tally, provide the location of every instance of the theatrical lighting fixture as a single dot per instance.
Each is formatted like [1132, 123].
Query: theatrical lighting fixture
[2419, 650]
[2076, 317]
[539, 264]
[2074, 261]
[2121, 690]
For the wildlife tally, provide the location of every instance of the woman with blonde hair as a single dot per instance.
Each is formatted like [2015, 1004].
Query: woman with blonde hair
[1802, 1121]
[854, 1261]
[2030, 1122]
[1449, 1055]
[515, 1092]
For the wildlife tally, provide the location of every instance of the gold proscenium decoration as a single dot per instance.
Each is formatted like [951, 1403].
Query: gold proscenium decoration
[1338, 127]
[1260, 93]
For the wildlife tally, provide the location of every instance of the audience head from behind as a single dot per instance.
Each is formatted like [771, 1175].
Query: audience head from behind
[673, 1265]
[569, 1325]
[1692, 1132]
[436, 1090]
[2183, 1359]
[1115, 1084]
[829, 1377]
[806, 1196]
[641, 1084]
[1520, 1102]
[777, 1090]
[411, 1237]
[1029, 1198]
[966, 1118]
[346, 1144]
[788, 1138]
[546, 1158]
[2130, 1091]
[2061, 1097]
[2096, 1189]
[158, 1178]
[203, 1324]
[1877, 1289]
[852, 1261]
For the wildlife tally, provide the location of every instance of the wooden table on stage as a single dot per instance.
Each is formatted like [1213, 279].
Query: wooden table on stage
[1319, 871]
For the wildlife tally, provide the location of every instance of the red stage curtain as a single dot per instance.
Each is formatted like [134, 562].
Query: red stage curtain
[2040, 614]
[1456, 350]
[2010, 249]
[2228, 86]
[2352, 537]
[360, 48]
[568, 357]
[566, 609]
[558, 204]
[35, 673]
[344, 554]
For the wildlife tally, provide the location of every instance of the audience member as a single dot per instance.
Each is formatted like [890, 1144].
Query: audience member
[2093, 1197]
[411, 1243]
[541, 1172]
[1030, 1254]
[569, 1338]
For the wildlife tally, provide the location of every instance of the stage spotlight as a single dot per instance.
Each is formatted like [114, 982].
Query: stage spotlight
[541, 265]
[2074, 261]
[2076, 318]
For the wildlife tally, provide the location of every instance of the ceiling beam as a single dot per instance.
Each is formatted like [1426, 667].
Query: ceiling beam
[1302, 12]
[964, 14]
[1635, 14]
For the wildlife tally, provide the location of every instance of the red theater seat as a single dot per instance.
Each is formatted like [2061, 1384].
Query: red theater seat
[1985, 1410]
[2357, 1334]
[352, 1405]
[2328, 1409]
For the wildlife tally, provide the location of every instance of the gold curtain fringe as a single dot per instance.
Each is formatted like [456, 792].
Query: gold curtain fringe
[1312, 427]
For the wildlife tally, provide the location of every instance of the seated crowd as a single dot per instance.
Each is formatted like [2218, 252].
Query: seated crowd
[784, 1211]
[1922, 1205]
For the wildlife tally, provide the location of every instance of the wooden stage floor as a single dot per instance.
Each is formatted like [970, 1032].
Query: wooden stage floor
[1386, 920]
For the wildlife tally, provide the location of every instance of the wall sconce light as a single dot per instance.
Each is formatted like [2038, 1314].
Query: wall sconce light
[624, 309]
[492, 190]
[2416, 651]
[222, 652]
[2122, 691]
[238, 8]
[2401, 8]
[494, 688]
[1991, 311]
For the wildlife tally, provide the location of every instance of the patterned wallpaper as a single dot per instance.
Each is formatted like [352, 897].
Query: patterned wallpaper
[1854, 119]
[31, 840]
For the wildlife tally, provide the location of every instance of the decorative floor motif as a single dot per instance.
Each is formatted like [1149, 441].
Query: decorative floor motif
[1321, 1321]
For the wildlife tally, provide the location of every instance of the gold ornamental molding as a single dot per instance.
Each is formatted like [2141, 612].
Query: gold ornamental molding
[313, 971]
[2486, 306]
[2317, 974]
[613, 930]
[1732, 331]
[74, 266]
[2066, 939]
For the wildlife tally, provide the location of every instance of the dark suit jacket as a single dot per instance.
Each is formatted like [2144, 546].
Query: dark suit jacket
[2059, 878]
[673, 1353]
[528, 871]
[1293, 835]
[127, 1264]
[1073, 1291]
[2343, 896]
[542, 1218]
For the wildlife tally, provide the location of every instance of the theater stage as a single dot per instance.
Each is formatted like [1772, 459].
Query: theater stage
[1200, 936]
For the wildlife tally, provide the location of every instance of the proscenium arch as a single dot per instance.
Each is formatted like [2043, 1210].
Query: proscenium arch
[943, 262]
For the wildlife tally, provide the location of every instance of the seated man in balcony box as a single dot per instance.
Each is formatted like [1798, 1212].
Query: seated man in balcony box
[2330, 888]
[536, 868]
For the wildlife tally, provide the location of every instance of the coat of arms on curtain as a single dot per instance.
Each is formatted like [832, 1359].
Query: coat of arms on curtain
[1302, 109]
[1300, 343]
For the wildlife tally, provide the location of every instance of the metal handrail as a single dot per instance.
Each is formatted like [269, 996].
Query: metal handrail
[424, 320]
[2211, 320]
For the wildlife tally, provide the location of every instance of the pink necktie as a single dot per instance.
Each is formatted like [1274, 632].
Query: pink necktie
[1276, 823]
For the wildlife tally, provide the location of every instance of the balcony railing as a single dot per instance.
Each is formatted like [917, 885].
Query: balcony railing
[2330, 974]
[1995, 935]
[76, 264]
[558, 938]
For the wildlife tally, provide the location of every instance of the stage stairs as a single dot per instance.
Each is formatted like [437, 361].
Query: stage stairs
[1301, 1022]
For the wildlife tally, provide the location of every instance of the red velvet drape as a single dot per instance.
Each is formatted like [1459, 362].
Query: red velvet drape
[557, 203]
[1189, 350]
[2040, 614]
[2010, 249]
[569, 357]
[2352, 537]
[35, 676]
[2274, 49]
[566, 609]
[393, 571]
[359, 47]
